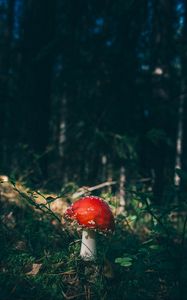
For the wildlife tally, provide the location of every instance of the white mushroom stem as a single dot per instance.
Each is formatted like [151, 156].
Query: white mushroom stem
[88, 245]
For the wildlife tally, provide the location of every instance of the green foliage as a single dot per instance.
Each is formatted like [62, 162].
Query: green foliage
[124, 261]
[145, 258]
[157, 136]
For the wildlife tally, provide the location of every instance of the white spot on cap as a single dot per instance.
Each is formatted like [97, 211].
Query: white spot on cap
[90, 209]
[91, 222]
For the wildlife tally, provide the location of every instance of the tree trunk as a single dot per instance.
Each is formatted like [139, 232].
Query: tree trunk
[36, 76]
[6, 132]
[179, 140]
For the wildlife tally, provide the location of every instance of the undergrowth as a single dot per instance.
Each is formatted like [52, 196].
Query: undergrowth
[145, 258]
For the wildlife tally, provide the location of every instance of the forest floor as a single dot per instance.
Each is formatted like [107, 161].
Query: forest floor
[39, 258]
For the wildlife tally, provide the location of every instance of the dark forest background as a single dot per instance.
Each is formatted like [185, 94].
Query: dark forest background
[93, 99]
[89, 89]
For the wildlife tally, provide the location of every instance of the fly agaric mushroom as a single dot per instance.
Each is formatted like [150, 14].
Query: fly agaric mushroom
[92, 214]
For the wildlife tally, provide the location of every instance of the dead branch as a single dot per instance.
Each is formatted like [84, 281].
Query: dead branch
[85, 189]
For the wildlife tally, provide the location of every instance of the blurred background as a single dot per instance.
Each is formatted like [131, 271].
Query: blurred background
[93, 91]
[93, 100]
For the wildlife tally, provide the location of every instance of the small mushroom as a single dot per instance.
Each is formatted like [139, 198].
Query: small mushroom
[92, 214]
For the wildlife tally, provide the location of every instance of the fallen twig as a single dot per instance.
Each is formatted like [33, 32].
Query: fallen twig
[85, 189]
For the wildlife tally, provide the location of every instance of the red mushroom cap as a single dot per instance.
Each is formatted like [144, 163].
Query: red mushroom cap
[91, 212]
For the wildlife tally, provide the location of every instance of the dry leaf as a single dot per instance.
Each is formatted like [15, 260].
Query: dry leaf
[9, 220]
[20, 245]
[35, 269]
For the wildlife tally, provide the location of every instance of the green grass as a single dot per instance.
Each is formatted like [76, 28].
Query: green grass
[144, 259]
